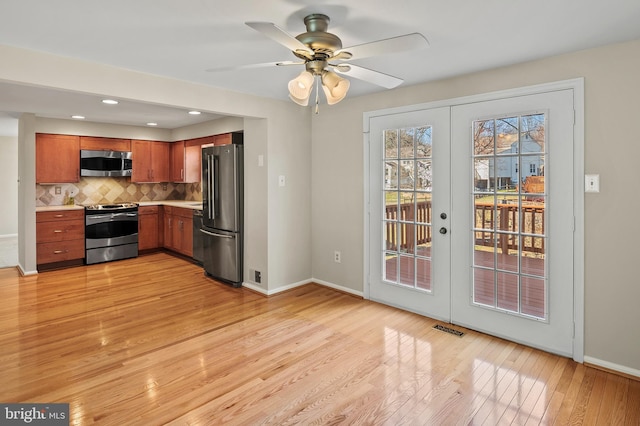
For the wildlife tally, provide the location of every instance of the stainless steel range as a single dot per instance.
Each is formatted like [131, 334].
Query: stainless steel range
[111, 232]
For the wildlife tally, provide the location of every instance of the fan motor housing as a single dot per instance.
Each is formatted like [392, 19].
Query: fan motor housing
[317, 38]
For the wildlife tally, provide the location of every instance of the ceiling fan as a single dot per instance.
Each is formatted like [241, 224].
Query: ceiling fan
[323, 56]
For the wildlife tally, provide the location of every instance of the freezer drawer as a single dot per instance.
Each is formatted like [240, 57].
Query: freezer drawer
[222, 252]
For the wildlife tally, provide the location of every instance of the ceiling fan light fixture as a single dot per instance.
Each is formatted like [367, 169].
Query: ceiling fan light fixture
[300, 88]
[335, 87]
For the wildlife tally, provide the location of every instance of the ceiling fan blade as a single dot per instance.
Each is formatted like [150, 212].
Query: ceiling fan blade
[384, 80]
[278, 35]
[250, 66]
[413, 41]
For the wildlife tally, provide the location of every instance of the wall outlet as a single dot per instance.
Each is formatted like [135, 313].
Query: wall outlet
[257, 277]
[337, 256]
[58, 190]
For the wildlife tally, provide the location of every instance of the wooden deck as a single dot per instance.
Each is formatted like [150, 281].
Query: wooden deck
[503, 294]
[151, 341]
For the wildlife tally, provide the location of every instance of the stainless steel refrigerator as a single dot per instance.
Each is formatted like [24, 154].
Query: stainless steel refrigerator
[222, 218]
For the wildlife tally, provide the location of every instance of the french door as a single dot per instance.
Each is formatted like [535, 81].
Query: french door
[471, 216]
[410, 191]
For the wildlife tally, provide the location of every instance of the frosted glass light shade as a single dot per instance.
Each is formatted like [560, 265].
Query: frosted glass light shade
[300, 88]
[335, 87]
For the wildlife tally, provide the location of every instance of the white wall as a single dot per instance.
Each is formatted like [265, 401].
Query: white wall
[207, 128]
[612, 145]
[9, 187]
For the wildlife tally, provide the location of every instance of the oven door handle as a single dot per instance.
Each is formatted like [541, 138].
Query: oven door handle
[124, 214]
[99, 216]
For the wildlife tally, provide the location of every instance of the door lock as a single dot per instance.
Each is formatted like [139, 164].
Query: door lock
[443, 230]
[443, 215]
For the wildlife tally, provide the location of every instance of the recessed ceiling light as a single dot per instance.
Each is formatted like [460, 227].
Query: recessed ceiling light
[78, 117]
[110, 101]
[152, 124]
[194, 112]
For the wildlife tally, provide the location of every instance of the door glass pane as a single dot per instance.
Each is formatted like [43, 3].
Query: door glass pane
[407, 270]
[390, 267]
[407, 218]
[391, 175]
[509, 198]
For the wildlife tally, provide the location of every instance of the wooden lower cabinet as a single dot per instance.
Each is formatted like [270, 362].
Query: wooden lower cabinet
[148, 228]
[178, 230]
[59, 236]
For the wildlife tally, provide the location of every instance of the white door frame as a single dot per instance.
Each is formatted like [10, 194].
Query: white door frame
[578, 183]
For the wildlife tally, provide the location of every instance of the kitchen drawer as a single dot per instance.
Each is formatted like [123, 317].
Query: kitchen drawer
[147, 210]
[60, 230]
[60, 215]
[60, 251]
[182, 212]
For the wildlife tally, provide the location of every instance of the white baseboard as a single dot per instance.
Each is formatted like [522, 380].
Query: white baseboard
[254, 287]
[8, 236]
[611, 366]
[25, 273]
[338, 287]
[261, 290]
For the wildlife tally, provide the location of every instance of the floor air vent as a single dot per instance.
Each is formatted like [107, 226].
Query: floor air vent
[448, 330]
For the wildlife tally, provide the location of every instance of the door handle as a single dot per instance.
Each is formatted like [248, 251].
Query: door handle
[213, 234]
[443, 216]
[443, 230]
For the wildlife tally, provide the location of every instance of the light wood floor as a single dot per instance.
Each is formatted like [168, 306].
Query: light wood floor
[152, 341]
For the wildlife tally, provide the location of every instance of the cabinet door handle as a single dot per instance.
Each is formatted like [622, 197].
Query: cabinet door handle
[182, 174]
[59, 215]
[57, 231]
[58, 251]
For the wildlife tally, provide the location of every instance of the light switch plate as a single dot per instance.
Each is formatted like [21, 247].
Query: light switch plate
[591, 183]
[281, 180]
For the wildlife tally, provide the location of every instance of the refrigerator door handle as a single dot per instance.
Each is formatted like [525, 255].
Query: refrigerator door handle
[212, 180]
[213, 234]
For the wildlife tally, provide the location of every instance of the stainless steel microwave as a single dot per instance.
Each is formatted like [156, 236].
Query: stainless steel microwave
[105, 163]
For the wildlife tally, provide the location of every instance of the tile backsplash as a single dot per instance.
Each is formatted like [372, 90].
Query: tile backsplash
[104, 190]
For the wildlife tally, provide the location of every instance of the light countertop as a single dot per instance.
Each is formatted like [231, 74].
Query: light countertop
[193, 205]
[58, 208]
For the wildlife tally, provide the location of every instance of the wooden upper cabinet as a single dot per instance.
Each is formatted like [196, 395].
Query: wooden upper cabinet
[160, 154]
[104, 144]
[192, 163]
[177, 162]
[228, 138]
[185, 161]
[57, 158]
[206, 140]
[224, 139]
[150, 161]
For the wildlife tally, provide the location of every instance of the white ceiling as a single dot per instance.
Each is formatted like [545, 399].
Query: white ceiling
[183, 38]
